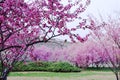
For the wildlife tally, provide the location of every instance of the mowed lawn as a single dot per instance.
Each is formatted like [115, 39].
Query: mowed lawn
[84, 75]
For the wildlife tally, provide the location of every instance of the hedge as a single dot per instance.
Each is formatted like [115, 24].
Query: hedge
[46, 66]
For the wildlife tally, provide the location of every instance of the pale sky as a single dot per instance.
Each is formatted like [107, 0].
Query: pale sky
[104, 7]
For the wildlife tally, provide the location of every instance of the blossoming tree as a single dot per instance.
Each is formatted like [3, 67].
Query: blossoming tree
[107, 35]
[23, 24]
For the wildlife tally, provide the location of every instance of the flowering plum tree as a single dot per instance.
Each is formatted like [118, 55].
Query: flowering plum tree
[22, 25]
[18, 28]
[108, 38]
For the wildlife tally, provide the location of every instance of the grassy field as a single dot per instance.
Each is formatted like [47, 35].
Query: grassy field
[55, 74]
[84, 75]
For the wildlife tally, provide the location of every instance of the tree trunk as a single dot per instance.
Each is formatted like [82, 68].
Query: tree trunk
[4, 74]
[117, 76]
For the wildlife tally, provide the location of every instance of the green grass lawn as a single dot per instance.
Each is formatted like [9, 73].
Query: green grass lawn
[84, 75]
[58, 74]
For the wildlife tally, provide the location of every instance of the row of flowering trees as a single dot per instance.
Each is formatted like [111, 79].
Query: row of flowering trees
[79, 54]
[101, 49]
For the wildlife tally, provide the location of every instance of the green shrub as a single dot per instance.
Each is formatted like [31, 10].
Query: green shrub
[46, 66]
[63, 67]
